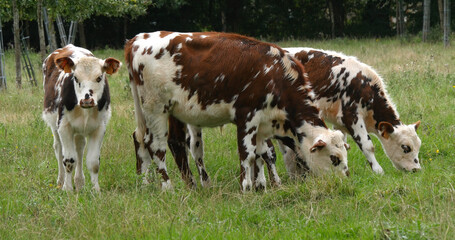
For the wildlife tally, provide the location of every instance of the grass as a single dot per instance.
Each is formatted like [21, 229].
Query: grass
[397, 205]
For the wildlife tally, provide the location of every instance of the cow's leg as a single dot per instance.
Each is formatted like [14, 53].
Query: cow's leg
[69, 154]
[155, 141]
[197, 152]
[270, 159]
[143, 159]
[259, 175]
[360, 135]
[59, 155]
[246, 143]
[79, 178]
[176, 143]
[95, 140]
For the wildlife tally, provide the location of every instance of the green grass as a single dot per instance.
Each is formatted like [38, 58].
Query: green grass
[397, 205]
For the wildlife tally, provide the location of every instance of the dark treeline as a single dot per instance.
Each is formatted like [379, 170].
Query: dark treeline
[266, 19]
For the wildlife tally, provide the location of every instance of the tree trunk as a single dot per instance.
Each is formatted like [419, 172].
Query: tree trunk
[426, 19]
[17, 44]
[400, 19]
[332, 18]
[39, 19]
[125, 27]
[337, 15]
[441, 14]
[233, 15]
[82, 39]
[446, 23]
[53, 43]
[223, 21]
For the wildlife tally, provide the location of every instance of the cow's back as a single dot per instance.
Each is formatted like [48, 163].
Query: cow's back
[211, 73]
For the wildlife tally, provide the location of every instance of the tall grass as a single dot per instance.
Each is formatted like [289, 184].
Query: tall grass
[420, 78]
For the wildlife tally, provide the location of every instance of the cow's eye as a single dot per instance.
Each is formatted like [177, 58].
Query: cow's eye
[99, 79]
[75, 79]
[406, 148]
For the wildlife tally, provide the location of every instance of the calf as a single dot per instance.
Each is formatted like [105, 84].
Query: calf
[76, 107]
[353, 97]
[210, 79]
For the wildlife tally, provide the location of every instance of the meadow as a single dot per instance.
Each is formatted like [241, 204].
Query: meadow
[420, 78]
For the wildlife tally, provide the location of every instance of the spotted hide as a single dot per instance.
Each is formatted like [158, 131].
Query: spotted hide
[353, 97]
[76, 107]
[210, 79]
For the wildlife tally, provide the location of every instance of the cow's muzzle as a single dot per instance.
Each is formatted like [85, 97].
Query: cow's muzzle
[87, 103]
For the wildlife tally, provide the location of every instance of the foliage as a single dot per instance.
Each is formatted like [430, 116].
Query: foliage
[77, 10]
[396, 205]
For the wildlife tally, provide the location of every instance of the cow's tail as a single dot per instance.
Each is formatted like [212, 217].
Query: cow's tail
[140, 119]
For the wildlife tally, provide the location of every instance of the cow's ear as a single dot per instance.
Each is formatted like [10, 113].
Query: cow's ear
[385, 129]
[111, 65]
[65, 63]
[318, 145]
[416, 125]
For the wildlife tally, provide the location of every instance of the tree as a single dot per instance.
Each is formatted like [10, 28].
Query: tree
[17, 44]
[337, 17]
[446, 23]
[441, 13]
[426, 19]
[400, 19]
[39, 19]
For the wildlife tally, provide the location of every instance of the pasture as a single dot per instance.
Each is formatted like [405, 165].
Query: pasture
[420, 79]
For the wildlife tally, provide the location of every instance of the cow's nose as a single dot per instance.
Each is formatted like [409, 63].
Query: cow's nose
[87, 96]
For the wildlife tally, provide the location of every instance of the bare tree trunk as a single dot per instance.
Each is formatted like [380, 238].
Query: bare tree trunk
[82, 39]
[441, 13]
[223, 21]
[332, 18]
[53, 43]
[426, 19]
[446, 23]
[125, 27]
[39, 19]
[400, 19]
[17, 44]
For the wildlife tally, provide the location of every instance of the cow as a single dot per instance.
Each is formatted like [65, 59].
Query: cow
[76, 108]
[210, 79]
[353, 97]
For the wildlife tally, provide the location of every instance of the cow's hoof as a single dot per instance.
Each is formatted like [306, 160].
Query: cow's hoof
[79, 182]
[166, 186]
[67, 187]
[260, 188]
[96, 188]
[378, 170]
[206, 183]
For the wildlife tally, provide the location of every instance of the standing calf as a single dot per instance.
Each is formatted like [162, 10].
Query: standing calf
[353, 97]
[210, 79]
[76, 107]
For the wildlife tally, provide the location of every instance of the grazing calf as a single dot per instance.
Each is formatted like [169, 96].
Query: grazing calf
[353, 97]
[210, 79]
[76, 107]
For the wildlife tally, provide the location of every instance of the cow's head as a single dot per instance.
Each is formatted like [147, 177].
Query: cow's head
[89, 76]
[326, 152]
[401, 144]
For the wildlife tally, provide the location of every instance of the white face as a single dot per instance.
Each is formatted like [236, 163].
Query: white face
[89, 81]
[328, 153]
[402, 147]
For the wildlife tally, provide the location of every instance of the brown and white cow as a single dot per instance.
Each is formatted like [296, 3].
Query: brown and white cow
[353, 97]
[210, 79]
[76, 107]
